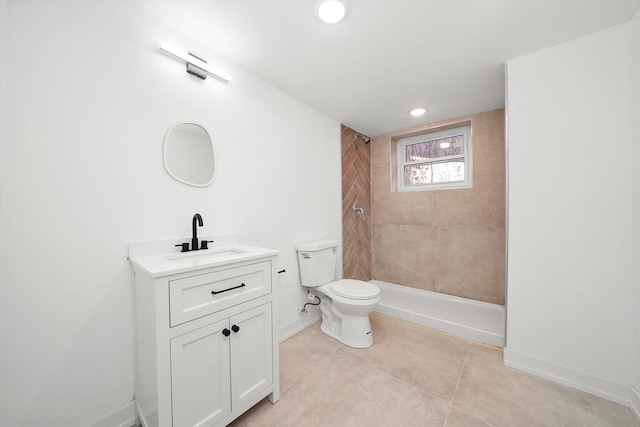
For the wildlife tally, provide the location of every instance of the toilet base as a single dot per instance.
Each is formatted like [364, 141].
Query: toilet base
[354, 331]
[356, 335]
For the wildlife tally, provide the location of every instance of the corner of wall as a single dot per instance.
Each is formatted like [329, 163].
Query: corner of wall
[124, 417]
[634, 404]
[601, 387]
[292, 328]
[635, 131]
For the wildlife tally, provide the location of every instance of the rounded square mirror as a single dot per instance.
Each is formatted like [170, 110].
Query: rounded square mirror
[188, 154]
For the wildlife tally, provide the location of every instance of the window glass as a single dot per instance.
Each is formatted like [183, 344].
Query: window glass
[432, 149]
[435, 160]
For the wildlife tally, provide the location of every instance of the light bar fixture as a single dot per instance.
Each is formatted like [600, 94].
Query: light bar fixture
[195, 65]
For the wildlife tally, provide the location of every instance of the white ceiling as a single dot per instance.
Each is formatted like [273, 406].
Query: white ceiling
[387, 56]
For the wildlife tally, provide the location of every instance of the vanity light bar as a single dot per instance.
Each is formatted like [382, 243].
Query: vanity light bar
[195, 65]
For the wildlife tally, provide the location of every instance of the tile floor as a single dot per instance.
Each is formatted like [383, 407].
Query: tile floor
[415, 376]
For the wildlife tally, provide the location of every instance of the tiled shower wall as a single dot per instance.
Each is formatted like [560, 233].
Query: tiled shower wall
[448, 241]
[356, 188]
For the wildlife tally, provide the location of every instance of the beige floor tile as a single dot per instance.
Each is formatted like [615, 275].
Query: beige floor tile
[457, 418]
[399, 381]
[300, 353]
[426, 359]
[503, 396]
[344, 392]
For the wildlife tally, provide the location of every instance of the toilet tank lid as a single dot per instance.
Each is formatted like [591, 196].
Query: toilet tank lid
[317, 245]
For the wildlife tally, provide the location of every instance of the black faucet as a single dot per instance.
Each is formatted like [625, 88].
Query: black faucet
[194, 240]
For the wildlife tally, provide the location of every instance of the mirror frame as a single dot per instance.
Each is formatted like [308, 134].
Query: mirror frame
[165, 151]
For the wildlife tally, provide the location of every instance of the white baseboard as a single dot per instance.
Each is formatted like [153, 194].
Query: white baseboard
[634, 403]
[601, 387]
[292, 328]
[123, 417]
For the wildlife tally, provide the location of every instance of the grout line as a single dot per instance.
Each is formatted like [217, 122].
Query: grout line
[464, 364]
[447, 417]
[455, 389]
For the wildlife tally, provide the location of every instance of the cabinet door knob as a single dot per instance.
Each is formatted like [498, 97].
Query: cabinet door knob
[235, 328]
[226, 332]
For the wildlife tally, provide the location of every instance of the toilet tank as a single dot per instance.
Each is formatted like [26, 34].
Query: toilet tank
[317, 261]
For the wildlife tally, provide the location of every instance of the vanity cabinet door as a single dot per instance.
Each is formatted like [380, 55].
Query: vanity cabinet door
[200, 377]
[251, 355]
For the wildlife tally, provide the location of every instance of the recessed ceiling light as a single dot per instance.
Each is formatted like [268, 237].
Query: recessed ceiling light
[417, 112]
[331, 11]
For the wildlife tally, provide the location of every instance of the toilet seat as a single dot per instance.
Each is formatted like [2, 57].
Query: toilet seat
[354, 289]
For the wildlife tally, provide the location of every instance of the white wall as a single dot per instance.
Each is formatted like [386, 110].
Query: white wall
[635, 71]
[3, 319]
[570, 281]
[86, 99]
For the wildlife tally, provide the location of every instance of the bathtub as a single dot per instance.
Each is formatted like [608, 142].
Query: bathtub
[475, 320]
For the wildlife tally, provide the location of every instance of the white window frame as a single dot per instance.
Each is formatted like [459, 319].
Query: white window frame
[426, 137]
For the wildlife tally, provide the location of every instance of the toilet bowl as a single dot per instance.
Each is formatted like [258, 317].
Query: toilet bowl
[345, 304]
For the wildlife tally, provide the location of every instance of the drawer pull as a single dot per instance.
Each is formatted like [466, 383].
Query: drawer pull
[229, 289]
[226, 332]
[235, 328]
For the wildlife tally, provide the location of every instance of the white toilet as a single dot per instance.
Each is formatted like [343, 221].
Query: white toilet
[346, 303]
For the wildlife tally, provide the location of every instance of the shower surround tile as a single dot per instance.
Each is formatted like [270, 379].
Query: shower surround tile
[469, 208]
[462, 253]
[403, 254]
[469, 261]
[406, 208]
[356, 189]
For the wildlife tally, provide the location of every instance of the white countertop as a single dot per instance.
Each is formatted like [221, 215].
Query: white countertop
[158, 259]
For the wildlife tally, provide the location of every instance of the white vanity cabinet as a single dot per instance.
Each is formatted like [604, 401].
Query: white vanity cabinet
[206, 340]
[206, 365]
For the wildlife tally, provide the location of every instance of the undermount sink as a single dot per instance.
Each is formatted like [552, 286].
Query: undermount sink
[152, 257]
[205, 254]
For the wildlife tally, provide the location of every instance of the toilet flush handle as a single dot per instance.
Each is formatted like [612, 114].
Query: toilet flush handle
[306, 256]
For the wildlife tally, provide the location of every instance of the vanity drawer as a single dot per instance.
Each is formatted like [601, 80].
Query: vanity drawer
[197, 296]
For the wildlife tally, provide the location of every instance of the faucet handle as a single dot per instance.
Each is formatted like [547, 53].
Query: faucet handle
[205, 244]
[184, 246]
